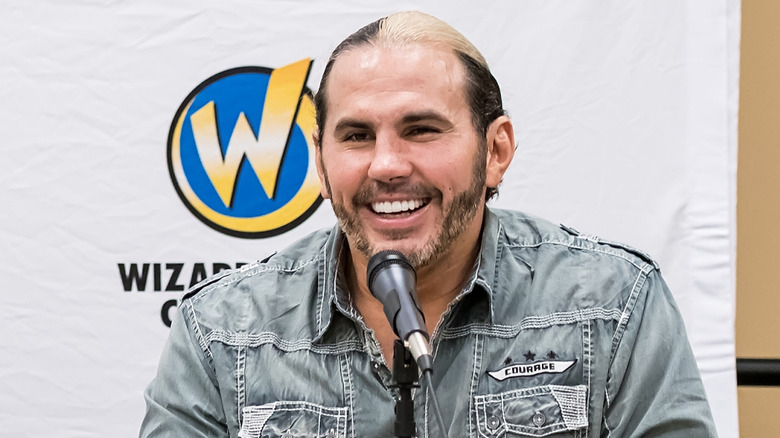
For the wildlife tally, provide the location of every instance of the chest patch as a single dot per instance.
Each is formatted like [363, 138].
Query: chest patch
[532, 369]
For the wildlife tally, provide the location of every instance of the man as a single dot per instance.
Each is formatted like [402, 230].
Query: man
[536, 330]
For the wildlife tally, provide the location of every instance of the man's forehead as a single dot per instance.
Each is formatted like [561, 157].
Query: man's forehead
[419, 71]
[411, 59]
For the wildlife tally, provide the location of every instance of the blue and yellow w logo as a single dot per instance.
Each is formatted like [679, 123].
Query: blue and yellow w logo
[240, 151]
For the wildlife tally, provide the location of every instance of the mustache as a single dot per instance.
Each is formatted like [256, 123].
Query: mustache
[375, 189]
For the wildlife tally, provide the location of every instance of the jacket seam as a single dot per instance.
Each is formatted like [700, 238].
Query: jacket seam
[253, 340]
[228, 280]
[628, 311]
[641, 266]
[617, 337]
[204, 344]
[533, 322]
[240, 382]
[321, 286]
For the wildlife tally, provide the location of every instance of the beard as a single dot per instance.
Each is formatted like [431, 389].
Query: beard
[455, 217]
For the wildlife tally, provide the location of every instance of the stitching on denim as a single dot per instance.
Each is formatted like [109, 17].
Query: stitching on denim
[321, 288]
[606, 425]
[436, 343]
[572, 400]
[202, 341]
[641, 266]
[573, 404]
[504, 424]
[425, 411]
[530, 392]
[474, 382]
[309, 407]
[480, 406]
[256, 417]
[248, 271]
[589, 359]
[349, 310]
[346, 379]
[240, 382]
[339, 414]
[496, 268]
[628, 310]
[533, 322]
[250, 340]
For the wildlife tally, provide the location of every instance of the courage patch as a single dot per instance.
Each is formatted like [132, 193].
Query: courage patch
[532, 369]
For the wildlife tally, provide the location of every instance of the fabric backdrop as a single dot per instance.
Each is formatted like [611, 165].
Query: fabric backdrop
[625, 114]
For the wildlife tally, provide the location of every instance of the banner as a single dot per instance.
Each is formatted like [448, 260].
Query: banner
[625, 118]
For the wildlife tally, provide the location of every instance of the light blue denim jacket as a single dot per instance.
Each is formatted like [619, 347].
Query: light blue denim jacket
[557, 334]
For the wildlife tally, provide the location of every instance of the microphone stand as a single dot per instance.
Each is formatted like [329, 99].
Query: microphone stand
[404, 378]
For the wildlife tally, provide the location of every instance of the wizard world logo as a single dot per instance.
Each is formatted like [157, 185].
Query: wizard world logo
[241, 154]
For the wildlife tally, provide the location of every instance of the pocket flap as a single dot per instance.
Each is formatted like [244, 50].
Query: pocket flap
[293, 419]
[538, 411]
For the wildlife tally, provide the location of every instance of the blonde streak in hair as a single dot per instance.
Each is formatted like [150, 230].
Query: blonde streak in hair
[418, 27]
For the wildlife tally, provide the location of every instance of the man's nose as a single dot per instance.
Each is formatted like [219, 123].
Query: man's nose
[391, 160]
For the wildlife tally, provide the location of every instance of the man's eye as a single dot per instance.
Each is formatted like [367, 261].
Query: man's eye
[422, 130]
[356, 136]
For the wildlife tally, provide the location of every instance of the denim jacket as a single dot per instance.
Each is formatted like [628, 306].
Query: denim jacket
[556, 334]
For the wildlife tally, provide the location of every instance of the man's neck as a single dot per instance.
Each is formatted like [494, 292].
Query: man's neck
[438, 284]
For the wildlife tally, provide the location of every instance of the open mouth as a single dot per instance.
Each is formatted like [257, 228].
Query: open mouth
[398, 207]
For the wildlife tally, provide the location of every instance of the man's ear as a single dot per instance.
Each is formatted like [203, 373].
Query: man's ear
[315, 136]
[500, 140]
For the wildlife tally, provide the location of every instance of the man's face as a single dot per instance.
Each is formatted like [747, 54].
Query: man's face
[399, 156]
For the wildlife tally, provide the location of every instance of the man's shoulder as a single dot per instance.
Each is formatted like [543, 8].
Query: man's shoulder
[532, 234]
[558, 270]
[266, 287]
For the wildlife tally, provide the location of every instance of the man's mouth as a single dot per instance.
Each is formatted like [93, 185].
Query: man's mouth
[396, 207]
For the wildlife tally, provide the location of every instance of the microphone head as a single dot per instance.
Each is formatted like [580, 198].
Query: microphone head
[383, 259]
[391, 280]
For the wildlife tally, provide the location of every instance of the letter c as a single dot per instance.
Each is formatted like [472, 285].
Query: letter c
[165, 312]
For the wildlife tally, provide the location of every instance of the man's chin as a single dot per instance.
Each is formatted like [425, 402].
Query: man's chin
[412, 250]
[404, 248]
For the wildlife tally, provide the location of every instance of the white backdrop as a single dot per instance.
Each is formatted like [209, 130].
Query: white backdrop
[625, 114]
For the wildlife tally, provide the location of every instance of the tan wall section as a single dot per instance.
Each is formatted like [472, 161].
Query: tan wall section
[758, 184]
[758, 209]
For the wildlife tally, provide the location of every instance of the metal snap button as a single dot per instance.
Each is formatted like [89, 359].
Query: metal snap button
[539, 419]
[493, 422]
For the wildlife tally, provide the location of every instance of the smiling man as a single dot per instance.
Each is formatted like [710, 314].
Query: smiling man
[536, 330]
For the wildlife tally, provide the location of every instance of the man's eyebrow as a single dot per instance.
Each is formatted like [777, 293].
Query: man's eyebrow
[425, 115]
[419, 116]
[350, 123]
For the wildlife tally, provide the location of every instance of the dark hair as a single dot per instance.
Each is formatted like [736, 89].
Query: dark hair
[362, 37]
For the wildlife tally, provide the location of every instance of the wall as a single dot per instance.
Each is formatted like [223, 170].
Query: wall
[758, 209]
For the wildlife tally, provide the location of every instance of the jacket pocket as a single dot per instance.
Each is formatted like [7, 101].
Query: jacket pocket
[538, 411]
[287, 419]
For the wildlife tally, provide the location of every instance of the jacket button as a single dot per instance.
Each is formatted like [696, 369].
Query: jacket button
[493, 422]
[539, 419]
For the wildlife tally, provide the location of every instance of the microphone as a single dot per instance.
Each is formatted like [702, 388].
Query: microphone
[391, 280]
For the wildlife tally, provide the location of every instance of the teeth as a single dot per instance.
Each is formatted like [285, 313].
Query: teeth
[396, 206]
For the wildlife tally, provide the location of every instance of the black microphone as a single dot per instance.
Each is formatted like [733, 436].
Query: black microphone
[391, 279]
